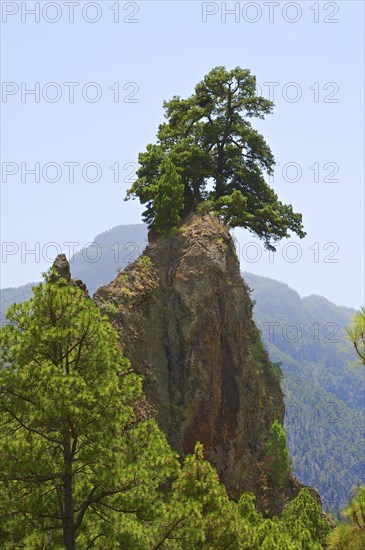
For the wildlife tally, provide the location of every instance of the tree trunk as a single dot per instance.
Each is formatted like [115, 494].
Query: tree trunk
[219, 182]
[68, 523]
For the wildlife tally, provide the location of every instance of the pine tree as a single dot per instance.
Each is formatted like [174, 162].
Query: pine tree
[303, 519]
[279, 464]
[169, 197]
[77, 465]
[350, 535]
[214, 521]
[356, 334]
[219, 156]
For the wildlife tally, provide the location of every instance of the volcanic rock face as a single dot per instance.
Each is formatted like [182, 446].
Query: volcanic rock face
[184, 317]
[62, 269]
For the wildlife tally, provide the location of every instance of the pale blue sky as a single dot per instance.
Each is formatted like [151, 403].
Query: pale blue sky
[166, 52]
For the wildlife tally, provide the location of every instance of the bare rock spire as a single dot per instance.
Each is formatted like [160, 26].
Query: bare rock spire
[62, 267]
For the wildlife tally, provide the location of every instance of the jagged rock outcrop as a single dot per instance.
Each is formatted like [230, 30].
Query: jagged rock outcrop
[62, 270]
[184, 317]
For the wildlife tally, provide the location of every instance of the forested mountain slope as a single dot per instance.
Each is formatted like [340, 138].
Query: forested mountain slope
[324, 390]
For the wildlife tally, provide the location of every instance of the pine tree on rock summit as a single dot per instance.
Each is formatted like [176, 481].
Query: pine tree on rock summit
[219, 157]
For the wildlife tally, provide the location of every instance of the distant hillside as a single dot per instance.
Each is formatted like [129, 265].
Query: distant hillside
[10, 296]
[111, 251]
[324, 393]
[96, 265]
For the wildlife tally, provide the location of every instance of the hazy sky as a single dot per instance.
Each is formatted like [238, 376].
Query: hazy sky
[100, 72]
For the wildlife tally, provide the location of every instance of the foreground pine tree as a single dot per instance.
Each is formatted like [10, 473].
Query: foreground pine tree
[201, 515]
[77, 468]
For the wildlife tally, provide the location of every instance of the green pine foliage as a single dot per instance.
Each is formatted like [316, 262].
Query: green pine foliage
[216, 520]
[350, 535]
[278, 456]
[169, 197]
[356, 509]
[76, 465]
[356, 334]
[301, 526]
[220, 158]
[200, 515]
[302, 517]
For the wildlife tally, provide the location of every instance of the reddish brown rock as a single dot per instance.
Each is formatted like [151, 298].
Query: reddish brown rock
[184, 317]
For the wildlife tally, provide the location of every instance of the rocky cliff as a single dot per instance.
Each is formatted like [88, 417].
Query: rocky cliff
[184, 317]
